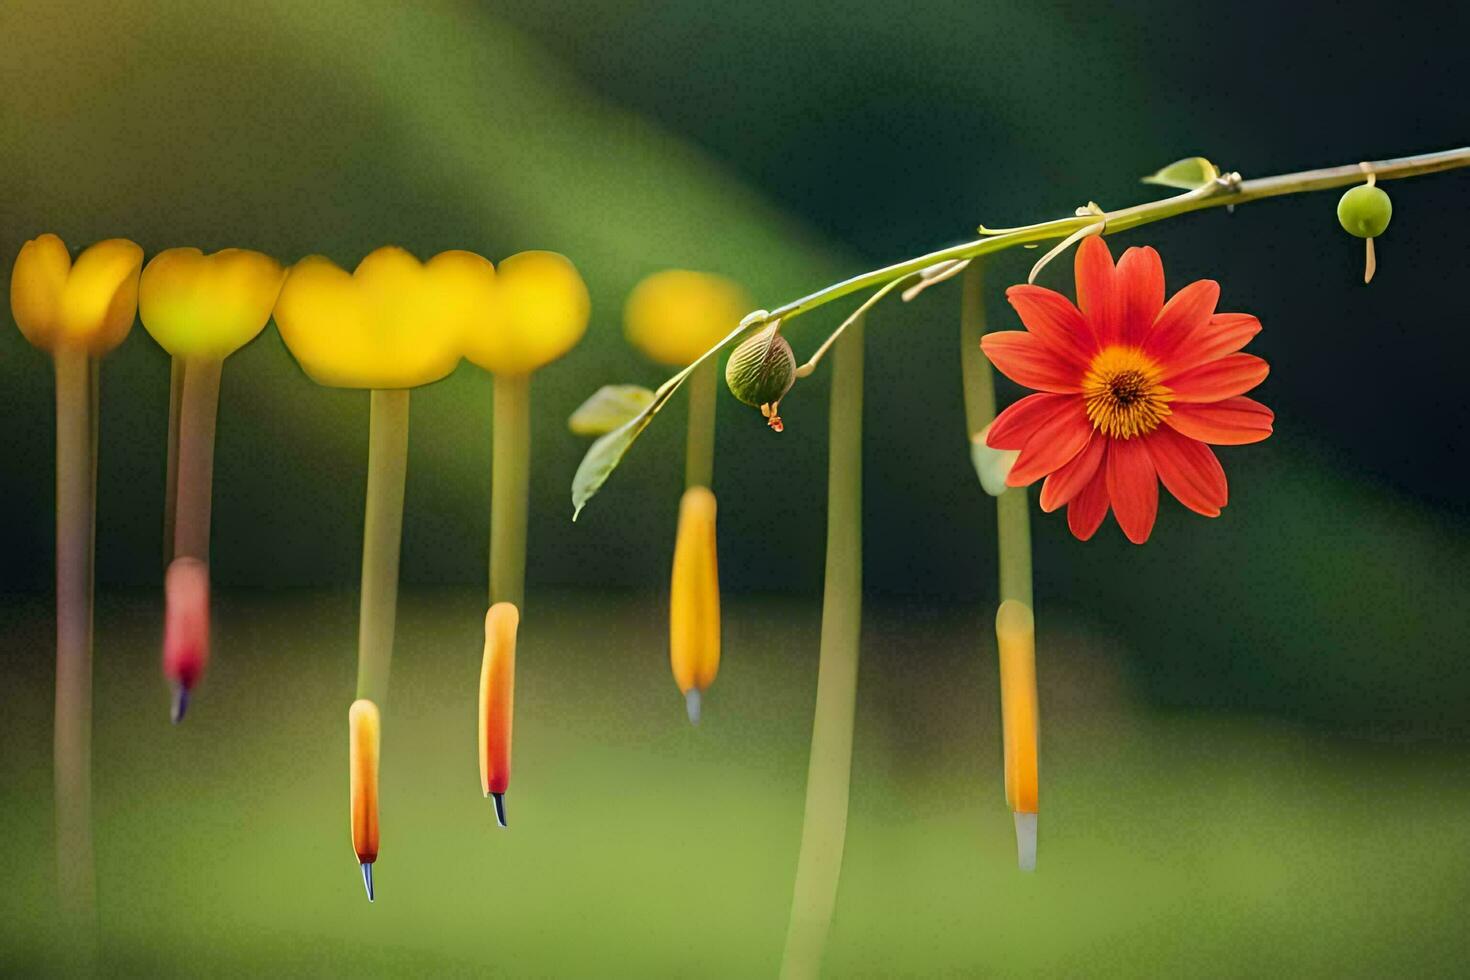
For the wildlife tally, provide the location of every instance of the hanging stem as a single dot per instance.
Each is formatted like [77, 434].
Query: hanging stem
[76, 483]
[510, 482]
[699, 453]
[171, 480]
[1219, 194]
[382, 536]
[824, 826]
[1013, 523]
[194, 465]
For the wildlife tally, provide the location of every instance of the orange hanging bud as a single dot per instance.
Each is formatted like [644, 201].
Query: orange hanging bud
[1015, 632]
[497, 702]
[185, 628]
[364, 728]
[694, 599]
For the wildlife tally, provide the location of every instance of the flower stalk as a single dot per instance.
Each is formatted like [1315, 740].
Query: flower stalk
[510, 487]
[824, 826]
[382, 538]
[1015, 624]
[699, 451]
[76, 487]
[194, 456]
[171, 480]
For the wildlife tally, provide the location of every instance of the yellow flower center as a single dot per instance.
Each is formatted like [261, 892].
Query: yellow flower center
[1123, 395]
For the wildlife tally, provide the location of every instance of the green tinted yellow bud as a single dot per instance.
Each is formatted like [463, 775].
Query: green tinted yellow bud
[674, 316]
[208, 306]
[539, 312]
[88, 305]
[1365, 211]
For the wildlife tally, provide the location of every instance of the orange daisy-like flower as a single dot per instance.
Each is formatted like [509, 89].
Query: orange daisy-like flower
[1131, 391]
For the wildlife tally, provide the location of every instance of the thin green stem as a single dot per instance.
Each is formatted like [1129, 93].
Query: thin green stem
[979, 386]
[824, 826]
[1013, 522]
[1224, 193]
[194, 475]
[76, 483]
[510, 483]
[699, 451]
[171, 480]
[382, 537]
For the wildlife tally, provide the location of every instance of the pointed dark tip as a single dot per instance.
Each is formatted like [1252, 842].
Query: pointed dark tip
[693, 703]
[367, 878]
[499, 799]
[181, 703]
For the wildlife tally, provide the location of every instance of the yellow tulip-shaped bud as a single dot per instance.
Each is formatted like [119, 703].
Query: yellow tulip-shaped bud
[497, 702]
[86, 306]
[676, 315]
[539, 313]
[364, 729]
[208, 306]
[694, 600]
[394, 322]
[1015, 632]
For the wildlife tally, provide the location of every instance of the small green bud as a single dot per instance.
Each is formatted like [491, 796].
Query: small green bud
[1364, 211]
[761, 371]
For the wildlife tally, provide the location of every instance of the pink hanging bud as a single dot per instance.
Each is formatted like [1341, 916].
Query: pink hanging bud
[185, 628]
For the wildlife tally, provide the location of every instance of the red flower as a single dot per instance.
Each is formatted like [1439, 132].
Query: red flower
[1131, 390]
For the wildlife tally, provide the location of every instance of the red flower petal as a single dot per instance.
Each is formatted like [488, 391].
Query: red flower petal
[1052, 317]
[1086, 511]
[1097, 293]
[1189, 470]
[1070, 480]
[1133, 486]
[1232, 422]
[1140, 284]
[1013, 427]
[1188, 310]
[1024, 359]
[1226, 333]
[1232, 375]
[1051, 446]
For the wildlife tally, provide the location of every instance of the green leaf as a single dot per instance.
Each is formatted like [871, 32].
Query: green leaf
[1187, 174]
[609, 407]
[606, 453]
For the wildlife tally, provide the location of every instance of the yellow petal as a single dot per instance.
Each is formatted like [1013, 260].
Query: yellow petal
[101, 297]
[676, 315]
[36, 285]
[540, 312]
[198, 305]
[1015, 632]
[694, 594]
[393, 323]
[364, 726]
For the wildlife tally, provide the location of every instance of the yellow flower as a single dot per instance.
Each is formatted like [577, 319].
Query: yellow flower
[675, 315]
[694, 599]
[395, 322]
[86, 306]
[539, 312]
[207, 306]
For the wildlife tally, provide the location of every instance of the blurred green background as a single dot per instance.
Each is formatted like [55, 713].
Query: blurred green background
[1255, 739]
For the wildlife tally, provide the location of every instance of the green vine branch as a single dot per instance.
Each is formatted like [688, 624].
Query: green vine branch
[1213, 190]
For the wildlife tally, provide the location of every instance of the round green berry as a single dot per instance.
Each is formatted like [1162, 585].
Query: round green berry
[1364, 211]
[762, 369]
